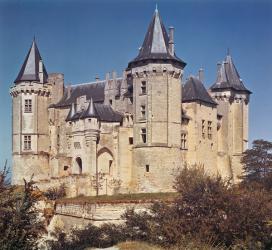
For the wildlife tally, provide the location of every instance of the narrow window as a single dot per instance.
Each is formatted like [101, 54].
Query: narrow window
[110, 167]
[147, 168]
[203, 128]
[143, 88]
[184, 141]
[27, 142]
[110, 101]
[130, 139]
[209, 129]
[65, 168]
[28, 106]
[143, 134]
[143, 111]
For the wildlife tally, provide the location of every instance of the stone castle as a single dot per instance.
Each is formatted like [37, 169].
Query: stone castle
[130, 133]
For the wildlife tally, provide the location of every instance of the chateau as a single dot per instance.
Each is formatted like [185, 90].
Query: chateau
[130, 133]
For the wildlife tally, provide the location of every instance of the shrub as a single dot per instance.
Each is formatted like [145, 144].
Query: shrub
[55, 193]
[20, 225]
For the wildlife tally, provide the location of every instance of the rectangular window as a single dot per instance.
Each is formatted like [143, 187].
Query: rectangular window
[184, 141]
[143, 134]
[143, 113]
[27, 142]
[143, 87]
[209, 129]
[28, 106]
[203, 128]
[110, 101]
[130, 139]
[147, 168]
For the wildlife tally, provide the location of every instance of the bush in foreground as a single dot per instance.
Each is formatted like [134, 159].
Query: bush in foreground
[20, 225]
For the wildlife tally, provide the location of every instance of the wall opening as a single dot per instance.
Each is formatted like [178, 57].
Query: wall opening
[79, 164]
[147, 168]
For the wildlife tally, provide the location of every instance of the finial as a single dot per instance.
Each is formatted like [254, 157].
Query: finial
[156, 9]
[34, 38]
[228, 51]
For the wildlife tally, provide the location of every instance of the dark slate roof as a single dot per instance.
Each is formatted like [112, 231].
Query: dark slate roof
[194, 90]
[155, 47]
[71, 113]
[30, 68]
[101, 111]
[90, 111]
[94, 90]
[228, 77]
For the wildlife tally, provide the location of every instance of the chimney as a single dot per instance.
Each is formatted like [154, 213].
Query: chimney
[68, 91]
[201, 75]
[41, 71]
[97, 78]
[171, 41]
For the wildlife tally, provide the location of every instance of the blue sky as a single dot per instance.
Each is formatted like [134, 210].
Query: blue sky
[84, 38]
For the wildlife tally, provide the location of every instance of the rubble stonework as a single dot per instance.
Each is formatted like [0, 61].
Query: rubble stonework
[130, 133]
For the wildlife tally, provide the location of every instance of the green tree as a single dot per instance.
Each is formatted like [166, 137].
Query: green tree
[257, 163]
[20, 225]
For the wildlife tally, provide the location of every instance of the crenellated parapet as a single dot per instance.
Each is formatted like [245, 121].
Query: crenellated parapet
[231, 96]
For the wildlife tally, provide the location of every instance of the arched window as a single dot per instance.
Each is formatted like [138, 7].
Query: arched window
[79, 164]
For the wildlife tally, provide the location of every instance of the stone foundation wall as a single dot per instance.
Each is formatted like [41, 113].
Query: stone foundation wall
[70, 215]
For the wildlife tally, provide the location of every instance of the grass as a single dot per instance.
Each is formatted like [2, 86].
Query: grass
[121, 198]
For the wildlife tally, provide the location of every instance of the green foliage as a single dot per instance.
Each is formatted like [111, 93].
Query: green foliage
[257, 164]
[55, 193]
[206, 208]
[91, 236]
[19, 224]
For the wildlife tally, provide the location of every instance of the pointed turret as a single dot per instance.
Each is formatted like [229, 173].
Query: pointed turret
[228, 77]
[33, 68]
[90, 111]
[71, 113]
[156, 47]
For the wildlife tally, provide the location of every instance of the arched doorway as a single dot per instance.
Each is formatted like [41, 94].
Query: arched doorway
[105, 161]
[79, 165]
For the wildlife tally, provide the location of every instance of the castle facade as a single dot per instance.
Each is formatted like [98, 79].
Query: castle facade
[130, 133]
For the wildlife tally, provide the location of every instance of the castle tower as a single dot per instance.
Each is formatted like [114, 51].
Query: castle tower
[156, 75]
[233, 99]
[30, 99]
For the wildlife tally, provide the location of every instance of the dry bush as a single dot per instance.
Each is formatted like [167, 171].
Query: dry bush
[55, 193]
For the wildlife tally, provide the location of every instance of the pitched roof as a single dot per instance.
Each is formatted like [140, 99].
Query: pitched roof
[94, 90]
[100, 111]
[228, 77]
[155, 47]
[30, 67]
[90, 111]
[194, 90]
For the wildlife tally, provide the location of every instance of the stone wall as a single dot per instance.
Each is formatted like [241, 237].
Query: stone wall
[71, 215]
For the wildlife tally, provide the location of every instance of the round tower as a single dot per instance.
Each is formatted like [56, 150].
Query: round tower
[156, 75]
[30, 137]
[233, 101]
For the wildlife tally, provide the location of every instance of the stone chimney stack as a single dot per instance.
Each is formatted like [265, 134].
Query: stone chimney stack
[41, 71]
[97, 78]
[171, 40]
[201, 75]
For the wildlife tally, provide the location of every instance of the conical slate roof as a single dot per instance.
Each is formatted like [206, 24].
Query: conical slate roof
[155, 47]
[30, 68]
[194, 90]
[90, 111]
[228, 77]
[71, 113]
